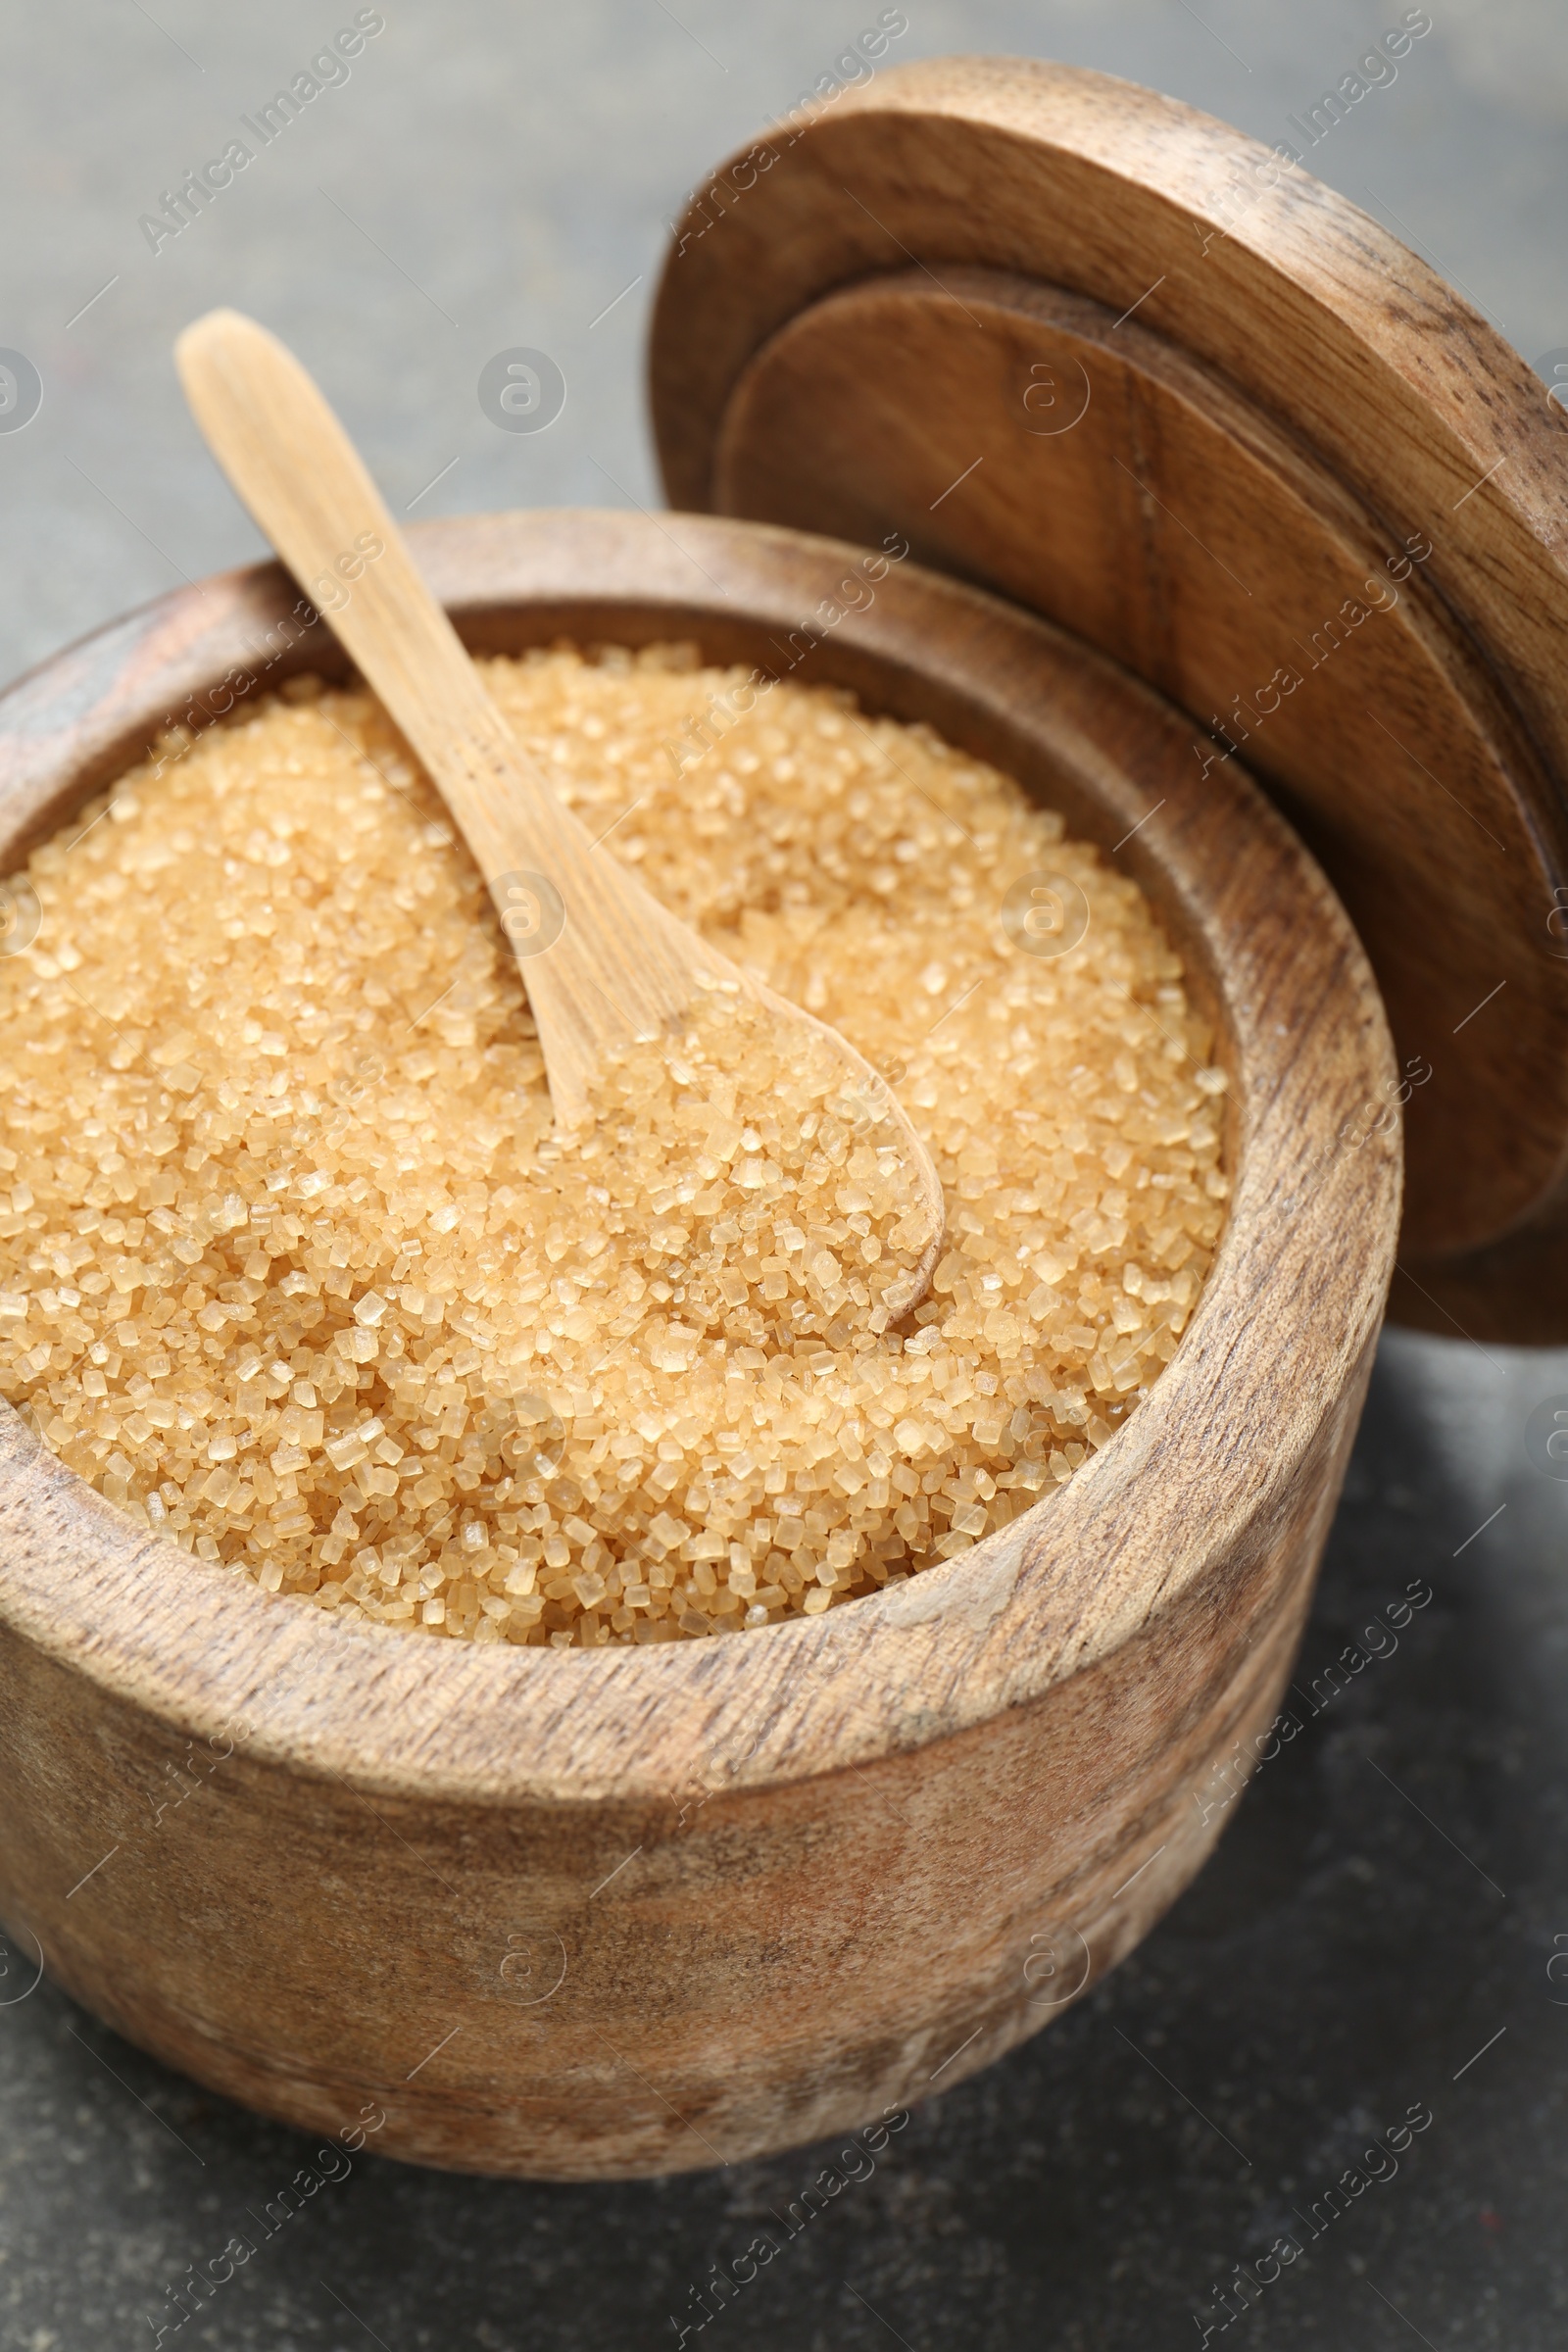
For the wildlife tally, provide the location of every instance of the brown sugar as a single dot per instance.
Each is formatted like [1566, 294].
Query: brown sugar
[295, 1267]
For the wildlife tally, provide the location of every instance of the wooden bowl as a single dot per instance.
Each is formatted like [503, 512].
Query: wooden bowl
[590, 1916]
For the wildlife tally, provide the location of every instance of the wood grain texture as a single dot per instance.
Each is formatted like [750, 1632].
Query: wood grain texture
[606, 966]
[1281, 399]
[787, 1880]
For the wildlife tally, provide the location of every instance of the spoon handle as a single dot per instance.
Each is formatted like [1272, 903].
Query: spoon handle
[604, 962]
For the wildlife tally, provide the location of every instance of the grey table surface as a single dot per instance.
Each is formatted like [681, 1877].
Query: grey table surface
[1379, 1925]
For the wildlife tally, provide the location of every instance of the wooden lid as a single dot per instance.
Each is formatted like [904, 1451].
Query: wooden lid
[1112, 358]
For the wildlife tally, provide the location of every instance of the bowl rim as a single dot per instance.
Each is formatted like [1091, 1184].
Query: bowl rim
[1312, 1217]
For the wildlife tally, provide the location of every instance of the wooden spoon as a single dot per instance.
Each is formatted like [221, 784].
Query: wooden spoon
[606, 965]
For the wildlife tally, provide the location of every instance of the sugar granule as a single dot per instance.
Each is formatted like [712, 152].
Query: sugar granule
[295, 1267]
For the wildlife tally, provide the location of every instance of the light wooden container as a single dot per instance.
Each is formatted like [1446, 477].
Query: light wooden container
[786, 1876]
[594, 1915]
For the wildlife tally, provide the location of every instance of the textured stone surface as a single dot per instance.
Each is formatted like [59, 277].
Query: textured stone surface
[1347, 1951]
